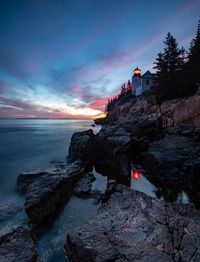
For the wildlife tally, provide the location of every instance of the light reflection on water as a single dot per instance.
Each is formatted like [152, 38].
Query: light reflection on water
[144, 185]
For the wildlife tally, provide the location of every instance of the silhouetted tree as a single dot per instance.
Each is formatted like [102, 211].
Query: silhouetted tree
[194, 60]
[128, 89]
[169, 64]
[123, 89]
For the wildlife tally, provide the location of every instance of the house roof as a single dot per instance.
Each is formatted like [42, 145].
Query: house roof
[147, 74]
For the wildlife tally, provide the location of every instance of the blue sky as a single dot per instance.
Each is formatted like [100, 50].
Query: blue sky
[65, 58]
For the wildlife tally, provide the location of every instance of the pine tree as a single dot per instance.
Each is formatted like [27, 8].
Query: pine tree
[168, 64]
[194, 60]
[123, 90]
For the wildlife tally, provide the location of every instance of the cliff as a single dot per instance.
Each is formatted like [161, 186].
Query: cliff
[171, 113]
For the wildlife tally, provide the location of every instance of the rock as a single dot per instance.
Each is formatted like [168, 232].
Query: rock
[84, 185]
[182, 111]
[146, 128]
[176, 112]
[97, 195]
[26, 178]
[165, 158]
[131, 226]
[112, 146]
[48, 192]
[18, 246]
[82, 147]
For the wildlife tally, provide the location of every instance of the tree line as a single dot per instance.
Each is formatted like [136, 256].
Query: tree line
[124, 95]
[178, 70]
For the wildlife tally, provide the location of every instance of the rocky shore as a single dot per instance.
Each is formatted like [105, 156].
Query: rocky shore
[129, 225]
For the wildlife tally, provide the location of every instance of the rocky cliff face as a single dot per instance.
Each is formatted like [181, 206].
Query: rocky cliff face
[177, 112]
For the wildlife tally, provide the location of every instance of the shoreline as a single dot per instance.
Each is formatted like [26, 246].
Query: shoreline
[169, 156]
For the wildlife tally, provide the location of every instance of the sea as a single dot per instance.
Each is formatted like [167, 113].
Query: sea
[27, 144]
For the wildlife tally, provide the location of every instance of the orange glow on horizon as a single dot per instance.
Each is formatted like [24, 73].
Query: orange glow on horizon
[101, 115]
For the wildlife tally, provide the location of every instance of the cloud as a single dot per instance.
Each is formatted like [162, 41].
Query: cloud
[99, 103]
[20, 108]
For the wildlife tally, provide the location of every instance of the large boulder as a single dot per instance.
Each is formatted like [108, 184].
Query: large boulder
[131, 226]
[164, 160]
[84, 185]
[82, 147]
[18, 246]
[46, 193]
[112, 146]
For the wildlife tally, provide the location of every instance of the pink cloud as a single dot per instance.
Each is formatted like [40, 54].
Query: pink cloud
[99, 103]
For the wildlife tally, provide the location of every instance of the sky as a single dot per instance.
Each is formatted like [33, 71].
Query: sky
[65, 58]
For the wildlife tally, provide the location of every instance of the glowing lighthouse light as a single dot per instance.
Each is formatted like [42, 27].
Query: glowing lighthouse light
[136, 175]
[137, 72]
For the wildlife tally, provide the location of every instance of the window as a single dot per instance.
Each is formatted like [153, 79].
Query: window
[147, 82]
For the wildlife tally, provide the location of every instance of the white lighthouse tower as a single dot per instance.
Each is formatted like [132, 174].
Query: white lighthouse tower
[136, 82]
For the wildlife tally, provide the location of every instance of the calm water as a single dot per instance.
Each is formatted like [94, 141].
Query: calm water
[29, 144]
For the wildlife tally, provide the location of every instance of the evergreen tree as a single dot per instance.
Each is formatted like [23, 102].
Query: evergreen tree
[169, 64]
[128, 89]
[194, 60]
[123, 89]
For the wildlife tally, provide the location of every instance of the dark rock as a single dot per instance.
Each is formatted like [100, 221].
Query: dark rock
[112, 146]
[26, 178]
[48, 192]
[84, 185]
[102, 121]
[97, 195]
[146, 128]
[18, 246]
[82, 147]
[164, 160]
[134, 227]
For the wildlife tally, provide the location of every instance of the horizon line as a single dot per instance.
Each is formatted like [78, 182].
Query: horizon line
[68, 118]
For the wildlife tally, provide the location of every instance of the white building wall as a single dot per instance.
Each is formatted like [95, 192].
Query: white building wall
[137, 85]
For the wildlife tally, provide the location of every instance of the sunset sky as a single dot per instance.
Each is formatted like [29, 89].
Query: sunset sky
[65, 58]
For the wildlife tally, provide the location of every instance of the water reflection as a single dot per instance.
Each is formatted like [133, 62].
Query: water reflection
[143, 185]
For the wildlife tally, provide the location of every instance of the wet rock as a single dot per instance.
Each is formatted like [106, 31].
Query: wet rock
[18, 246]
[84, 185]
[9, 208]
[82, 147]
[131, 226]
[26, 178]
[165, 158]
[97, 195]
[48, 191]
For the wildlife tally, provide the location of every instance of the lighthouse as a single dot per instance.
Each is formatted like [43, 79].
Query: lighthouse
[136, 82]
[141, 83]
